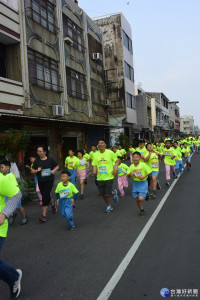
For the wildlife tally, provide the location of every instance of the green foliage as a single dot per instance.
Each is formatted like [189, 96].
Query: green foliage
[123, 140]
[12, 141]
[23, 186]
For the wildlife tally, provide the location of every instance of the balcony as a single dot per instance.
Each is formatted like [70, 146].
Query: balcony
[9, 22]
[11, 96]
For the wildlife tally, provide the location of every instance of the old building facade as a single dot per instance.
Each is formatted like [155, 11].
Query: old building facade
[119, 71]
[52, 74]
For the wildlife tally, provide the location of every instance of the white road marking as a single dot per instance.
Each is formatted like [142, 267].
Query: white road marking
[107, 291]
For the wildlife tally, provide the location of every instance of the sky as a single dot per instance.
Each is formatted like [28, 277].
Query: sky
[166, 45]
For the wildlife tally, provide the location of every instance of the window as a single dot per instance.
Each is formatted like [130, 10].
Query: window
[130, 101]
[42, 12]
[75, 84]
[129, 73]
[70, 29]
[43, 71]
[127, 42]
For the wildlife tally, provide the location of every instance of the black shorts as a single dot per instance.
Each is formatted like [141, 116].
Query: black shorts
[105, 187]
[45, 190]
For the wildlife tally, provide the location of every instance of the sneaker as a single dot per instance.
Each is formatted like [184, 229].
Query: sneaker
[109, 209]
[158, 186]
[167, 183]
[115, 198]
[54, 209]
[153, 195]
[142, 213]
[72, 228]
[16, 288]
[11, 219]
[81, 197]
[24, 221]
[43, 219]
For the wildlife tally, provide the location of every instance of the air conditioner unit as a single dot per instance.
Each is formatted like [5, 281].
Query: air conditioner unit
[58, 110]
[97, 56]
[107, 103]
[68, 40]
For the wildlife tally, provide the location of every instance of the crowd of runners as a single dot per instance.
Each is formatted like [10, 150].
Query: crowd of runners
[105, 164]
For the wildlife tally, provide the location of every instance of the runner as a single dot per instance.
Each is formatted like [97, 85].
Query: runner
[80, 165]
[186, 151]
[87, 157]
[178, 159]
[169, 160]
[142, 149]
[45, 167]
[32, 158]
[152, 160]
[8, 274]
[70, 162]
[103, 165]
[5, 170]
[65, 192]
[139, 171]
[131, 151]
[122, 178]
[121, 152]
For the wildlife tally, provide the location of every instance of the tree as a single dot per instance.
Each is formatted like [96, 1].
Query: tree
[12, 141]
[123, 140]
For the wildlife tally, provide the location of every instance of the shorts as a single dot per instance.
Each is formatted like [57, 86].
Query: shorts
[154, 173]
[187, 159]
[140, 189]
[81, 174]
[105, 187]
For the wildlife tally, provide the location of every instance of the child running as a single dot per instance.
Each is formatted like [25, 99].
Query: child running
[140, 172]
[5, 170]
[186, 151]
[80, 165]
[65, 192]
[169, 160]
[70, 163]
[152, 161]
[178, 159]
[122, 178]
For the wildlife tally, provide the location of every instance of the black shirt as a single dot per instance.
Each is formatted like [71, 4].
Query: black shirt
[47, 165]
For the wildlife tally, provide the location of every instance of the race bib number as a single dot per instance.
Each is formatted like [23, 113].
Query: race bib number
[102, 170]
[120, 170]
[64, 193]
[155, 165]
[82, 162]
[168, 153]
[137, 173]
[71, 164]
[45, 172]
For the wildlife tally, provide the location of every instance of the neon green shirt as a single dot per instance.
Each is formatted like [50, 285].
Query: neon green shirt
[121, 152]
[86, 155]
[178, 154]
[7, 188]
[143, 152]
[66, 191]
[104, 163]
[132, 150]
[81, 164]
[71, 162]
[153, 162]
[141, 170]
[186, 151]
[168, 154]
[121, 170]
[92, 153]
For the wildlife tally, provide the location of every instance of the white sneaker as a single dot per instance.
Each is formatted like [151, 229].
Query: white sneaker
[16, 288]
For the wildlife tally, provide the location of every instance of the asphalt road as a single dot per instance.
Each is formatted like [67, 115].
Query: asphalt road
[59, 264]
